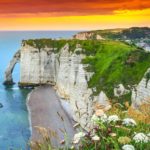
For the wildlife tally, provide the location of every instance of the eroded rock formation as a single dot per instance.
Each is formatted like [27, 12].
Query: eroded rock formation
[141, 93]
[83, 36]
[10, 68]
[37, 66]
[87, 35]
[120, 90]
[65, 71]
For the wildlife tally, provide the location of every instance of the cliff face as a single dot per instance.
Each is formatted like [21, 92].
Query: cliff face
[65, 71]
[37, 66]
[87, 35]
[63, 68]
[141, 93]
[71, 84]
[83, 36]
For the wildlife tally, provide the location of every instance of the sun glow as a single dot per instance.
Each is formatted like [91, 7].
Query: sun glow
[111, 16]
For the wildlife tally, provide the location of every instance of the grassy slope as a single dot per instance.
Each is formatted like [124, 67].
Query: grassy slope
[121, 34]
[112, 62]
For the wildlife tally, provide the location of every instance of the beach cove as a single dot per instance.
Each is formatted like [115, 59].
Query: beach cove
[46, 111]
[14, 122]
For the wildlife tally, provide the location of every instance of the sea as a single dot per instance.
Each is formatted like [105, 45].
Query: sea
[14, 120]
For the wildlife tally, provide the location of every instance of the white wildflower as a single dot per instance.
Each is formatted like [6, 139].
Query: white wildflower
[140, 137]
[103, 118]
[95, 119]
[113, 118]
[95, 138]
[113, 134]
[129, 122]
[72, 147]
[77, 137]
[128, 147]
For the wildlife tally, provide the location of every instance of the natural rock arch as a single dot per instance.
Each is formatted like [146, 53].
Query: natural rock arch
[10, 68]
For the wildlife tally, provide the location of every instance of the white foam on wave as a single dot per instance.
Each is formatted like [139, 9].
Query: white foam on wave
[15, 88]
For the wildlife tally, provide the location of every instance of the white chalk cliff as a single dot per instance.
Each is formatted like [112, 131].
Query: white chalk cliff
[141, 93]
[10, 68]
[87, 35]
[66, 72]
[83, 35]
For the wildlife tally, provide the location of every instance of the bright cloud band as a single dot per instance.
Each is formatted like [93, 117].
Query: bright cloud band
[72, 15]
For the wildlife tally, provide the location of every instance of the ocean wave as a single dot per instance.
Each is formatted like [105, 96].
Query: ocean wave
[15, 88]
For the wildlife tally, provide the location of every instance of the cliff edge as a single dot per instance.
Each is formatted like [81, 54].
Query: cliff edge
[89, 74]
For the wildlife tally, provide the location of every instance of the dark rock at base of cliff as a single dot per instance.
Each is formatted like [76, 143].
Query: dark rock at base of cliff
[29, 85]
[1, 105]
[8, 83]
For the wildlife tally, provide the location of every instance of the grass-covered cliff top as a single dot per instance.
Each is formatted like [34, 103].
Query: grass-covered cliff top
[131, 33]
[112, 62]
[42, 43]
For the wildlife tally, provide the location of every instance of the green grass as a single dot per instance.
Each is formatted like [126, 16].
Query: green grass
[115, 63]
[112, 62]
[42, 43]
[121, 34]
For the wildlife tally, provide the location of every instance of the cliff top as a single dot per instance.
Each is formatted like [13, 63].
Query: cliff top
[43, 43]
[88, 46]
[130, 33]
[112, 62]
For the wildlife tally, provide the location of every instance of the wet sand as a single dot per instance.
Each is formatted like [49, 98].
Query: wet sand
[45, 110]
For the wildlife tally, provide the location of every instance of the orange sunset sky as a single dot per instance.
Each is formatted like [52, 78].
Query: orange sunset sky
[73, 14]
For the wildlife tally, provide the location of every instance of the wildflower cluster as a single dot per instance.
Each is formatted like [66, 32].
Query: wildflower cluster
[112, 132]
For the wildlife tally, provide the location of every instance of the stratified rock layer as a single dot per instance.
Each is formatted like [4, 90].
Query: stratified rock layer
[141, 93]
[65, 71]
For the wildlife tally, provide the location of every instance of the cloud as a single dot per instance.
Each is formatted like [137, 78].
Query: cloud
[14, 8]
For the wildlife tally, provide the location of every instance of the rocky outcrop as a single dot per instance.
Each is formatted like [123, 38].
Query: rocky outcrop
[103, 100]
[37, 66]
[120, 90]
[141, 93]
[65, 71]
[1, 105]
[72, 84]
[88, 36]
[10, 68]
[144, 45]
[83, 36]
[99, 37]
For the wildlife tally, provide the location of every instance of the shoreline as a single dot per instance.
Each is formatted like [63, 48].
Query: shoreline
[29, 114]
[29, 111]
[42, 114]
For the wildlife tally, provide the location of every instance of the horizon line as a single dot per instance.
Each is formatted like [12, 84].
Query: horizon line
[43, 30]
[11, 30]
